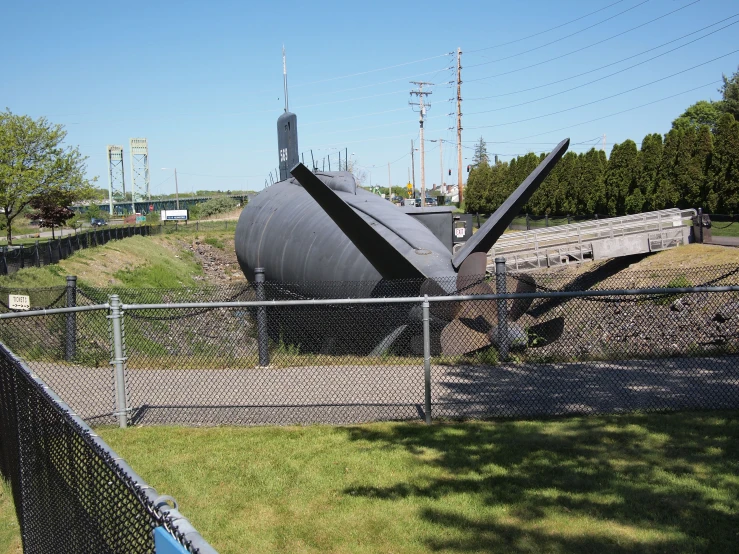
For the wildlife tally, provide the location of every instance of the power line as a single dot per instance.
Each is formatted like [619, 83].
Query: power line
[390, 81]
[619, 112]
[404, 91]
[560, 39]
[404, 122]
[619, 61]
[352, 117]
[594, 101]
[545, 31]
[221, 176]
[373, 70]
[582, 48]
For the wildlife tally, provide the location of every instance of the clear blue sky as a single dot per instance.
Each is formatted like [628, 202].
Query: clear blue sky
[203, 81]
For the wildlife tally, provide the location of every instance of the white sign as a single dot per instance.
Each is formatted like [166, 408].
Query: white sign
[174, 215]
[459, 232]
[19, 302]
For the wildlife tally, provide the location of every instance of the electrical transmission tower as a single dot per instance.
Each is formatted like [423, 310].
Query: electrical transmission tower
[139, 171]
[116, 181]
[422, 113]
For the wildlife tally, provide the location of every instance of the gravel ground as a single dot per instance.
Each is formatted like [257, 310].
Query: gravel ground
[353, 394]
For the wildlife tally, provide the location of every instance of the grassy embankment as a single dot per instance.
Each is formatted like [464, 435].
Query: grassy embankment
[136, 262]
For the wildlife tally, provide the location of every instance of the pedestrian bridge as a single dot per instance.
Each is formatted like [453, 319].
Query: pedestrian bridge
[593, 240]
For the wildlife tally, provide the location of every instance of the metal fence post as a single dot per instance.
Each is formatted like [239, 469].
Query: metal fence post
[700, 224]
[116, 314]
[4, 268]
[22, 260]
[500, 288]
[37, 256]
[70, 344]
[262, 336]
[426, 359]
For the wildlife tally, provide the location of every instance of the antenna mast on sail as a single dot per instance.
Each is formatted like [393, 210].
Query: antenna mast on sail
[284, 74]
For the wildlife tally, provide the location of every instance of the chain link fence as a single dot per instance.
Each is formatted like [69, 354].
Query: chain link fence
[47, 252]
[71, 492]
[601, 340]
[596, 341]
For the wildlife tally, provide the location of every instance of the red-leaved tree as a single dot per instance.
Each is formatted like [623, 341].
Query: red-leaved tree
[51, 210]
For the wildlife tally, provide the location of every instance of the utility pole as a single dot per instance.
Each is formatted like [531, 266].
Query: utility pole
[422, 112]
[389, 182]
[176, 189]
[459, 123]
[413, 168]
[441, 164]
[604, 142]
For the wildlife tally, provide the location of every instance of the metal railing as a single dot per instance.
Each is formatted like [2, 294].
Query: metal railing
[576, 239]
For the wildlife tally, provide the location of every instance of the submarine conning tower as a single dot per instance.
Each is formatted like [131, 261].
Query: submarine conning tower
[287, 143]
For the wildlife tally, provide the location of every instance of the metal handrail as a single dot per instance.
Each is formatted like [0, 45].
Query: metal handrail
[592, 230]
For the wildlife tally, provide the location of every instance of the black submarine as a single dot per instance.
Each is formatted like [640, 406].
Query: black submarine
[319, 235]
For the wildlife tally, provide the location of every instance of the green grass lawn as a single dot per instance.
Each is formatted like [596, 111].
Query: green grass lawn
[10, 539]
[724, 229]
[638, 483]
[635, 483]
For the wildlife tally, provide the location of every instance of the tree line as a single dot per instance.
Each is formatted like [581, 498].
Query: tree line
[696, 164]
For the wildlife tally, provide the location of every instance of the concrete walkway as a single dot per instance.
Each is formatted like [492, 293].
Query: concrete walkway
[353, 394]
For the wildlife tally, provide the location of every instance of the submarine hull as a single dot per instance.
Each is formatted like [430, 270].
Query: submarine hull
[306, 255]
[287, 233]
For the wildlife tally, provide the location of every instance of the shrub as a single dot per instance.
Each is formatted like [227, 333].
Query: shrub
[216, 206]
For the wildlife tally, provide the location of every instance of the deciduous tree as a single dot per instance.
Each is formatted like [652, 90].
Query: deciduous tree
[51, 209]
[701, 113]
[35, 163]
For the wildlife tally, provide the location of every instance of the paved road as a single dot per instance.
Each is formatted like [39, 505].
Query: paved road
[352, 394]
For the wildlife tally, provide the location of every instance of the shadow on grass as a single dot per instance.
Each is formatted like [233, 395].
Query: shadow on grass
[639, 483]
